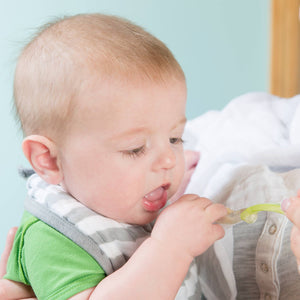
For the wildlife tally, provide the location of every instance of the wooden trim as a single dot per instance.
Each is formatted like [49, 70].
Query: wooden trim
[285, 48]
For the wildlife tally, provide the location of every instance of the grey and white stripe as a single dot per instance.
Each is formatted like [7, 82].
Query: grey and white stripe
[111, 243]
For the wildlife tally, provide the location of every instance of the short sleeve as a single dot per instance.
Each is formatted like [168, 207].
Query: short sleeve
[55, 266]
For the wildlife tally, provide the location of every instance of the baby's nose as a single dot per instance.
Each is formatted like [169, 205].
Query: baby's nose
[166, 159]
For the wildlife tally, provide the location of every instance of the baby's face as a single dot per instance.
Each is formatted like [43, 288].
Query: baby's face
[123, 156]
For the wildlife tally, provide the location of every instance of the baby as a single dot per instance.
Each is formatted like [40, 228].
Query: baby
[102, 107]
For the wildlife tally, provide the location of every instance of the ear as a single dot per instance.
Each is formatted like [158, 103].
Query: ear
[42, 155]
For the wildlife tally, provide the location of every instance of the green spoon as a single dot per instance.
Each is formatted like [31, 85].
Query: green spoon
[249, 214]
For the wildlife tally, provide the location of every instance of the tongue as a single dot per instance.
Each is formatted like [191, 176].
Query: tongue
[155, 195]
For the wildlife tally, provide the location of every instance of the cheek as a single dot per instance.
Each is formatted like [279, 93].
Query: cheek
[181, 160]
[123, 175]
[180, 169]
[83, 174]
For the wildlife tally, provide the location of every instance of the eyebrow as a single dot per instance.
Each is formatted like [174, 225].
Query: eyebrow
[128, 133]
[181, 122]
[142, 129]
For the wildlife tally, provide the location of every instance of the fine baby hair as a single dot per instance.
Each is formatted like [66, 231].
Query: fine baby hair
[52, 69]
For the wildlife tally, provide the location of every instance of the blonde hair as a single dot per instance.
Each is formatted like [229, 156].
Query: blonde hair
[64, 53]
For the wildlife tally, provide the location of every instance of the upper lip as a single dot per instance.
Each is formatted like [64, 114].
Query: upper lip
[165, 186]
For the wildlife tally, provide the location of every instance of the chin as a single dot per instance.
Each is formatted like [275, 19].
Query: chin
[145, 219]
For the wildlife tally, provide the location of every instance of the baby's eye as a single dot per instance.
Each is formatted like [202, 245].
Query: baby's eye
[176, 140]
[135, 152]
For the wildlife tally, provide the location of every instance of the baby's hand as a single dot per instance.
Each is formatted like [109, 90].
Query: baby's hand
[188, 225]
[291, 207]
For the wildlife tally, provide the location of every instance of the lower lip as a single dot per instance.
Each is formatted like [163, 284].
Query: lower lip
[154, 206]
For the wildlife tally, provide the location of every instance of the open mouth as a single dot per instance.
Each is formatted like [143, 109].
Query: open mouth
[156, 199]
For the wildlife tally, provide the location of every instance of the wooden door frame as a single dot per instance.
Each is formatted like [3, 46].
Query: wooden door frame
[285, 48]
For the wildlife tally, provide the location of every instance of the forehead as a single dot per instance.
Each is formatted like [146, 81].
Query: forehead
[109, 104]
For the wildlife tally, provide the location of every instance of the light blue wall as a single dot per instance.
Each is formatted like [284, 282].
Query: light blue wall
[222, 45]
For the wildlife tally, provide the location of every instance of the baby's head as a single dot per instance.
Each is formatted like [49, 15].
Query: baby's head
[102, 107]
[66, 55]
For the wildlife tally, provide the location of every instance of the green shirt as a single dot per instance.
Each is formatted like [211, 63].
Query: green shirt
[52, 264]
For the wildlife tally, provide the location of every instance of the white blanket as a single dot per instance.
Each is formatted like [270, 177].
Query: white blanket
[255, 128]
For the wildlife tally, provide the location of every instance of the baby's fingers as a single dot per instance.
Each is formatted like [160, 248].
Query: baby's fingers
[218, 232]
[215, 211]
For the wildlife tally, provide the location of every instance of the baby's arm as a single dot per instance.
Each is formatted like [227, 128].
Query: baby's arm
[156, 270]
[10, 289]
[292, 208]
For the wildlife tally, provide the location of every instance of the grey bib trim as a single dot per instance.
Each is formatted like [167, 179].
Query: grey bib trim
[69, 230]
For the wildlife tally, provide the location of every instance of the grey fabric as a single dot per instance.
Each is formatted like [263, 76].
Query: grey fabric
[111, 243]
[211, 275]
[287, 269]
[244, 257]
